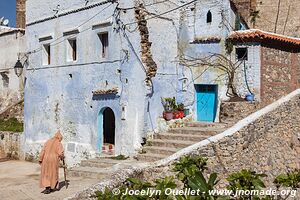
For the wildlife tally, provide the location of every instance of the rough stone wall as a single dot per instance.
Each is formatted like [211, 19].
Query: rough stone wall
[280, 72]
[282, 18]
[14, 111]
[147, 58]
[10, 145]
[20, 13]
[275, 16]
[245, 7]
[231, 112]
[270, 144]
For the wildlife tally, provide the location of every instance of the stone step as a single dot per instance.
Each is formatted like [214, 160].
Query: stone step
[150, 157]
[182, 137]
[170, 143]
[88, 172]
[207, 131]
[160, 150]
[88, 163]
[206, 124]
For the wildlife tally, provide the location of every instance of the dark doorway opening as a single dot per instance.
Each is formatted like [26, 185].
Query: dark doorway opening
[109, 126]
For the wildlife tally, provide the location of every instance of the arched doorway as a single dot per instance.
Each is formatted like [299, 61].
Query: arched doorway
[106, 129]
[109, 126]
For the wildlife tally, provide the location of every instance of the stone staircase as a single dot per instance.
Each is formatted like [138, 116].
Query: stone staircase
[99, 167]
[159, 147]
[165, 144]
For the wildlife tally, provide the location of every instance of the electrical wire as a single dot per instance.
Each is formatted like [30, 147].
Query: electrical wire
[40, 48]
[169, 11]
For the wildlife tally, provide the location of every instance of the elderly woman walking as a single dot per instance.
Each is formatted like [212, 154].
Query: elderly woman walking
[50, 156]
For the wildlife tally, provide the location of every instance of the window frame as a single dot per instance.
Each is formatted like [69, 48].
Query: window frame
[104, 50]
[72, 53]
[245, 55]
[46, 51]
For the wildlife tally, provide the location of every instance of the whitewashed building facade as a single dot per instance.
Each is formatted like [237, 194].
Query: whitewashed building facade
[97, 71]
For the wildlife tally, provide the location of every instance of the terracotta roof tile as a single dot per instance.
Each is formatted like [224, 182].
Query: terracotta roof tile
[255, 35]
[106, 91]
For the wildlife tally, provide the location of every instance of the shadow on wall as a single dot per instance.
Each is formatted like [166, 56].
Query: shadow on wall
[9, 145]
[100, 97]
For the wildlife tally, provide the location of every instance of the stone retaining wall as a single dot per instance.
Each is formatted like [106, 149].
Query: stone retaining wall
[267, 141]
[280, 72]
[10, 145]
[235, 111]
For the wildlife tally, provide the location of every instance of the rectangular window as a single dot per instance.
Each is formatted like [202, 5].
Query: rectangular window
[104, 42]
[5, 79]
[46, 54]
[242, 53]
[72, 54]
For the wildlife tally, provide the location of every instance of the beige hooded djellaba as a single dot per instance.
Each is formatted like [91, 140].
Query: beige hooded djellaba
[49, 159]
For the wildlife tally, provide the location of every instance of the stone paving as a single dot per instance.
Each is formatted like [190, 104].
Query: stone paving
[19, 180]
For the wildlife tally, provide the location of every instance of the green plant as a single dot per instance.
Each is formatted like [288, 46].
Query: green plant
[106, 195]
[246, 180]
[291, 179]
[162, 185]
[188, 166]
[120, 157]
[11, 124]
[169, 104]
[180, 107]
[198, 182]
[254, 15]
[190, 171]
[228, 46]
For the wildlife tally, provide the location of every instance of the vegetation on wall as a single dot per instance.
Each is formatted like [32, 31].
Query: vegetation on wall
[222, 63]
[11, 124]
[191, 174]
[254, 15]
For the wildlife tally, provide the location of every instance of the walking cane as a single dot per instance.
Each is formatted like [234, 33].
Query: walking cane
[65, 175]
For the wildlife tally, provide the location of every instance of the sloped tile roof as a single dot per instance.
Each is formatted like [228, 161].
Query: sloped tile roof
[8, 30]
[255, 35]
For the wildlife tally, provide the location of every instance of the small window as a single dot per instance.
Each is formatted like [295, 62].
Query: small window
[104, 43]
[209, 17]
[242, 53]
[72, 50]
[5, 79]
[46, 54]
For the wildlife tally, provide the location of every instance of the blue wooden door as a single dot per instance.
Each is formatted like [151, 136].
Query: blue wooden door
[206, 102]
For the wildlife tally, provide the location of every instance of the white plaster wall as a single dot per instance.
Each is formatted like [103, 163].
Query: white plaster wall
[253, 74]
[11, 44]
[219, 25]
[38, 9]
[54, 100]
[195, 27]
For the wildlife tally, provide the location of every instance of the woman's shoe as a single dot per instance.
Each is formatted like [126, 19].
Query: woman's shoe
[48, 190]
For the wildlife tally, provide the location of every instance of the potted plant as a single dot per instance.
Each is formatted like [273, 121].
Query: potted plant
[180, 108]
[186, 112]
[168, 104]
[176, 112]
[249, 97]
